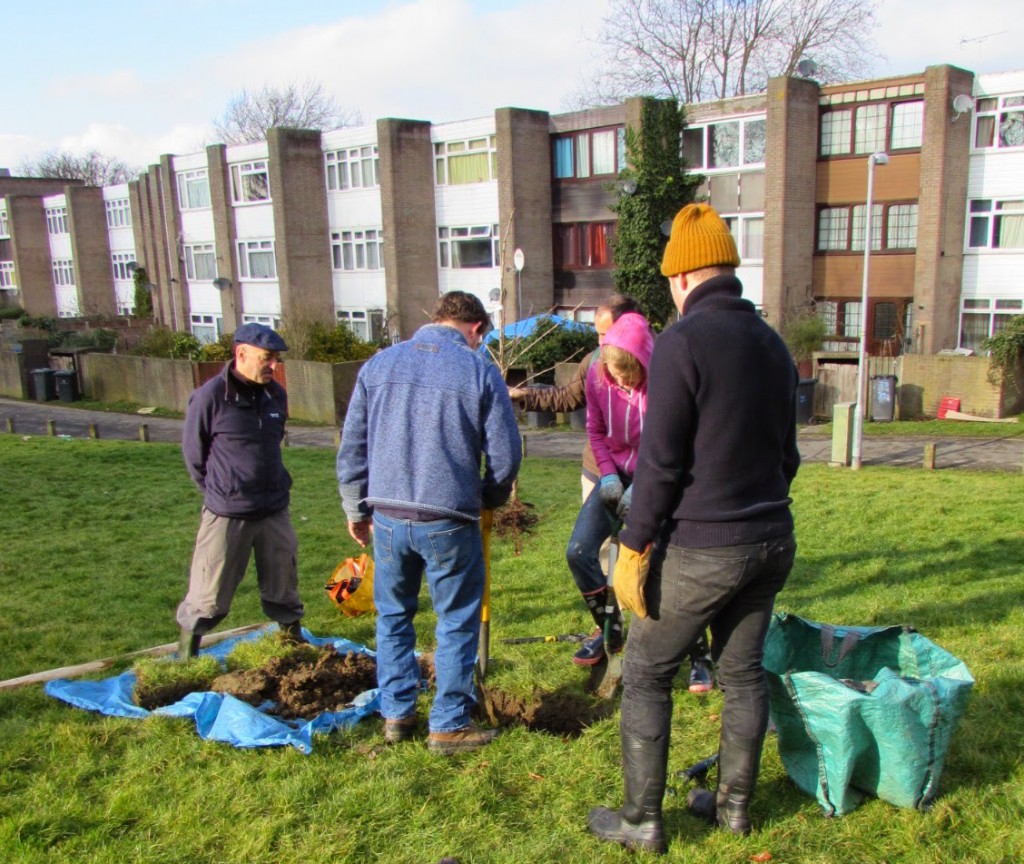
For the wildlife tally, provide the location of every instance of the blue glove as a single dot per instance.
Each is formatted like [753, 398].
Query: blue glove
[610, 491]
[624, 503]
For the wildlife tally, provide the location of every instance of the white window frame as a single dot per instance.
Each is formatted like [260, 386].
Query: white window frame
[703, 135]
[585, 164]
[119, 213]
[194, 190]
[357, 249]
[998, 311]
[56, 221]
[63, 272]
[246, 185]
[121, 263]
[1000, 115]
[352, 168]
[447, 152]
[203, 254]
[453, 235]
[741, 227]
[246, 249]
[989, 213]
[5, 227]
[272, 321]
[206, 328]
[7, 282]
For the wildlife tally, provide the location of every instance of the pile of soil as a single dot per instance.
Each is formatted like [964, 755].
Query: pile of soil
[560, 712]
[516, 519]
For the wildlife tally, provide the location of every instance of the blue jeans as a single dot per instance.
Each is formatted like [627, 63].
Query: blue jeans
[731, 589]
[593, 526]
[450, 552]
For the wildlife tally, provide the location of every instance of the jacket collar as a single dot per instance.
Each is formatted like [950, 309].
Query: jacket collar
[719, 292]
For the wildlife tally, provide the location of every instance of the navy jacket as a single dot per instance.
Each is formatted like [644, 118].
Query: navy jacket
[718, 451]
[231, 442]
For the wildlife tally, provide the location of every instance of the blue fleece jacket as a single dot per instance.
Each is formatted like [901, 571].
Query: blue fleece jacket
[422, 415]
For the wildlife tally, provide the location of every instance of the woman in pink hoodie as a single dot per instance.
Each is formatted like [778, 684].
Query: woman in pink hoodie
[616, 403]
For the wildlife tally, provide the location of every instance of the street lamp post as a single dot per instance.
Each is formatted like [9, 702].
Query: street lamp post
[858, 414]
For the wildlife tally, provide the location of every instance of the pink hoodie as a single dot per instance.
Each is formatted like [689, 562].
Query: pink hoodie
[615, 416]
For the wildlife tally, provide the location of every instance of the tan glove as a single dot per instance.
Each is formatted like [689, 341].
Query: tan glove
[629, 578]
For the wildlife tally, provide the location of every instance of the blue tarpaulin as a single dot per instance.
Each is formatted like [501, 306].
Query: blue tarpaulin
[527, 326]
[218, 716]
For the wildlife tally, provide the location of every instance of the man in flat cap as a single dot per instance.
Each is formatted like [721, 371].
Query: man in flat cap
[231, 442]
[709, 537]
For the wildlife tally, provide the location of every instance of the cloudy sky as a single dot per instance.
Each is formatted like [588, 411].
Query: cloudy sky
[141, 78]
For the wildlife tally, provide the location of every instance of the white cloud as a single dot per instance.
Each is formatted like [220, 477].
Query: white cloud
[14, 149]
[117, 86]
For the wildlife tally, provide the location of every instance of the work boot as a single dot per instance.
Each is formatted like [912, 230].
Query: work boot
[292, 633]
[591, 651]
[738, 763]
[402, 729]
[188, 644]
[701, 678]
[469, 737]
[637, 824]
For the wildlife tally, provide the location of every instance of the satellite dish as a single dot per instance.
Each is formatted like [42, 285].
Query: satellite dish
[806, 68]
[666, 227]
[221, 284]
[495, 295]
[963, 103]
[519, 260]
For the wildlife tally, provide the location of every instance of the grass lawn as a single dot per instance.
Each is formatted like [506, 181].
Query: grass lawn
[97, 541]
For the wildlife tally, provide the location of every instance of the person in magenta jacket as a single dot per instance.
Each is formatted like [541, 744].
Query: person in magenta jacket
[616, 390]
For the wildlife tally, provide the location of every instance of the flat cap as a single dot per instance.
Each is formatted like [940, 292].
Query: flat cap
[260, 336]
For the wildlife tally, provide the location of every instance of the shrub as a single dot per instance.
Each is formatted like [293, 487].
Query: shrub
[804, 335]
[10, 312]
[561, 345]
[1006, 350]
[162, 342]
[337, 345]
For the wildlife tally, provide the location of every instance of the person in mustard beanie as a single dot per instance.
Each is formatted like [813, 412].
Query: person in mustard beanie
[708, 540]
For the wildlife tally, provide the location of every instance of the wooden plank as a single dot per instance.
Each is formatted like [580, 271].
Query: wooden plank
[107, 662]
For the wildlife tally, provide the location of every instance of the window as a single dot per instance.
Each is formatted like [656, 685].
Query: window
[842, 323]
[366, 324]
[471, 161]
[200, 262]
[254, 318]
[63, 271]
[999, 122]
[893, 228]
[473, 247]
[748, 232]
[593, 153]
[207, 328]
[121, 262]
[867, 128]
[57, 220]
[119, 213]
[907, 125]
[725, 145]
[5, 228]
[885, 320]
[7, 275]
[994, 224]
[250, 182]
[584, 245]
[256, 259]
[356, 168]
[193, 189]
[357, 250]
[981, 318]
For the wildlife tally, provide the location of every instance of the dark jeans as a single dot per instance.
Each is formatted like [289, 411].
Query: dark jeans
[731, 589]
[593, 526]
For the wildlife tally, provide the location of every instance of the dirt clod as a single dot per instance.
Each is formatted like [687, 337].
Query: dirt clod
[561, 712]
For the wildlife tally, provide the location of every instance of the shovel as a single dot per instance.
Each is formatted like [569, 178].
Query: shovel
[484, 644]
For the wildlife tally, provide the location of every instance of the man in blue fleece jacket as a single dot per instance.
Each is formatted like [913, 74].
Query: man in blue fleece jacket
[709, 538]
[231, 441]
[423, 415]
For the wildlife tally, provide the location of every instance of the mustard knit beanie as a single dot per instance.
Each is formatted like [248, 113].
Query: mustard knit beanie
[699, 239]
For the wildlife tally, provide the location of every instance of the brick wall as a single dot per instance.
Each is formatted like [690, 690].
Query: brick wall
[30, 246]
[155, 381]
[90, 244]
[171, 216]
[790, 172]
[224, 234]
[524, 197]
[301, 237]
[410, 221]
[942, 201]
[926, 379]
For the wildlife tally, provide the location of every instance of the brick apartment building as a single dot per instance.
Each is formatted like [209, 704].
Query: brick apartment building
[368, 225]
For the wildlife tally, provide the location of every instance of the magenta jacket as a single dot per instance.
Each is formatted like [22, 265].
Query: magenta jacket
[615, 417]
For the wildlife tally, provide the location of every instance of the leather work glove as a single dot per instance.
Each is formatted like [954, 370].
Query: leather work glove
[630, 577]
[625, 502]
[610, 491]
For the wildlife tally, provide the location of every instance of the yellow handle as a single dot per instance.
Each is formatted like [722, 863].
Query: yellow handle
[486, 521]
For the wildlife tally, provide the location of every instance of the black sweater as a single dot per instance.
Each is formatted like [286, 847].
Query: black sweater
[718, 450]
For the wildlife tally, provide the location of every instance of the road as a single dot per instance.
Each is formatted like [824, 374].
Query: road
[981, 454]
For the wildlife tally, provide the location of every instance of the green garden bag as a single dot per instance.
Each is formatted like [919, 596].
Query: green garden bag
[862, 710]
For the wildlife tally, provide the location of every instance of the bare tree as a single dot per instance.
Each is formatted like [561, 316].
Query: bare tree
[304, 106]
[94, 168]
[694, 50]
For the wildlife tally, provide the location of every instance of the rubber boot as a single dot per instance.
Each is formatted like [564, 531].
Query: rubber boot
[738, 763]
[188, 644]
[591, 652]
[615, 625]
[596, 602]
[637, 824]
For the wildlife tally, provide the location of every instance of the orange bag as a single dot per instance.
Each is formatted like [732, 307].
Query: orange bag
[351, 586]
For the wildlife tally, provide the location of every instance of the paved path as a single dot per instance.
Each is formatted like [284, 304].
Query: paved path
[982, 454]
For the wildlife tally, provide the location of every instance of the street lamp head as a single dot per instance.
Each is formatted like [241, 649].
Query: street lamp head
[880, 158]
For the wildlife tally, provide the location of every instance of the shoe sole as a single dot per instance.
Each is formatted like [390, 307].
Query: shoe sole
[581, 662]
[701, 688]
